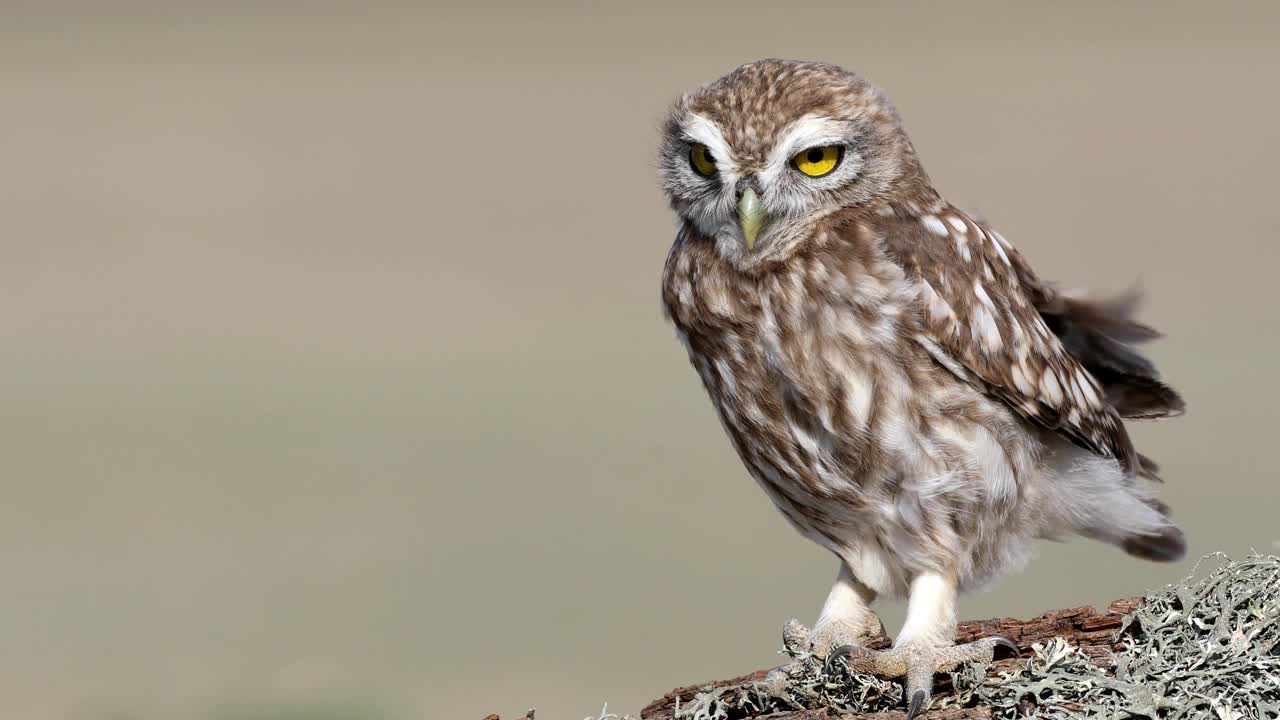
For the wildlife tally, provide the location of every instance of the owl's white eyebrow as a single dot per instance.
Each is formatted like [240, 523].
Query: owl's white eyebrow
[702, 129]
[809, 131]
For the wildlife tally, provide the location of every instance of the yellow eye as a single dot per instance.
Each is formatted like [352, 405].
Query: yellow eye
[701, 160]
[818, 161]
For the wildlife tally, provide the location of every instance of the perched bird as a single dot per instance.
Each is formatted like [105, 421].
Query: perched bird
[907, 391]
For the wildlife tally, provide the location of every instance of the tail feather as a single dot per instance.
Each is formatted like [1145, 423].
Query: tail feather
[1094, 497]
[1139, 397]
[1162, 544]
[1149, 470]
[1166, 545]
[1101, 334]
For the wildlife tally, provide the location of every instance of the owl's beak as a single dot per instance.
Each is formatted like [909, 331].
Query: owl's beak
[751, 216]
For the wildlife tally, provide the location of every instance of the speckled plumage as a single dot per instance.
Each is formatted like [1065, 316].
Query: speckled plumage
[891, 371]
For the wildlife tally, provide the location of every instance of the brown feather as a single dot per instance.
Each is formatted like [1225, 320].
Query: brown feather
[1100, 333]
[983, 302]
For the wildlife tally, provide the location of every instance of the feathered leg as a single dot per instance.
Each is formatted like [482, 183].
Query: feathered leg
[846, 619]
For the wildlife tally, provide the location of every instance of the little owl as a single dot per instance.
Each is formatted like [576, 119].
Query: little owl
[907, 391]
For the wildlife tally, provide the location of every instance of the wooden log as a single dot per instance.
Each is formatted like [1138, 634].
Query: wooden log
[1091, 630]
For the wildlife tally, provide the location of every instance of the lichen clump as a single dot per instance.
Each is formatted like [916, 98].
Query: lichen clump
[1203, 648]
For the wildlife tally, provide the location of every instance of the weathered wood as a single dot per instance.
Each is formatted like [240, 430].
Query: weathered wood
[1092, 631]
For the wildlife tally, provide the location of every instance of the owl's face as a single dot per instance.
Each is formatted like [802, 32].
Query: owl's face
[756, 158]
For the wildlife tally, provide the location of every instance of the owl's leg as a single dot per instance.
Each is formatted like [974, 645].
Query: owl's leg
[925, 645]
[846, 619]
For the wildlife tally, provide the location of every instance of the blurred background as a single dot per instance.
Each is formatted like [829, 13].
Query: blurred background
[334, 383]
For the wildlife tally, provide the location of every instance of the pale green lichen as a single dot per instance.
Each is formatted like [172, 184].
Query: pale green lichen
[1203, 648]
[799, 685]
[1207, 648]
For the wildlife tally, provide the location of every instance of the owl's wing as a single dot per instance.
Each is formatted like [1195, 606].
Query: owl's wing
[981, 317]
[1101, 333]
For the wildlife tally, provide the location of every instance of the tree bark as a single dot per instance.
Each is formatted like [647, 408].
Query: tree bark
[1092, 631]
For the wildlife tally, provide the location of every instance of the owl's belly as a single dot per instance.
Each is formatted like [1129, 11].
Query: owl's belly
[871, 452]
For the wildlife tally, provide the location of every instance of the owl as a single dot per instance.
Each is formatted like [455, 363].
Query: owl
[906, 390]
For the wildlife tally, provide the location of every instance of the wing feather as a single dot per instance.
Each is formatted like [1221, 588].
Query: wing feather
[982, 310]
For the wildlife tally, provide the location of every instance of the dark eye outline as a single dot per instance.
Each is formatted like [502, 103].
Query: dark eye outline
[795, 162]
[706, 152]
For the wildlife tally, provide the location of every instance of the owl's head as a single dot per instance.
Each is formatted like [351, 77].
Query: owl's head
[757, 157]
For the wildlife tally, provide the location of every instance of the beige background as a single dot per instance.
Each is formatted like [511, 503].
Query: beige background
[332, 372]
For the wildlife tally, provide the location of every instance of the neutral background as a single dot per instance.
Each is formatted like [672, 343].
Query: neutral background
[332, 372]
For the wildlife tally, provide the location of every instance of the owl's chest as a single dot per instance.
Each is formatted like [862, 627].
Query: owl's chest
[818, 381]
[797, 335]
[805, 377]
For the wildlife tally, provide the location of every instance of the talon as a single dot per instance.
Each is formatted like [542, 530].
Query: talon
[829, 664]
[1007, 644]
[918, 699]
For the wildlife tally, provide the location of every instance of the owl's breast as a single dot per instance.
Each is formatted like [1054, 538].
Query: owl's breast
[807, 371]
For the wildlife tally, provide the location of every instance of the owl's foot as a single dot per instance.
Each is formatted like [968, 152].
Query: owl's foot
[917, 663]
[829, 635]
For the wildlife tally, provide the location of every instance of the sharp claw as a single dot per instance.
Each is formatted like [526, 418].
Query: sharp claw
[835, 654]
[917, 700]
[1006, 643]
